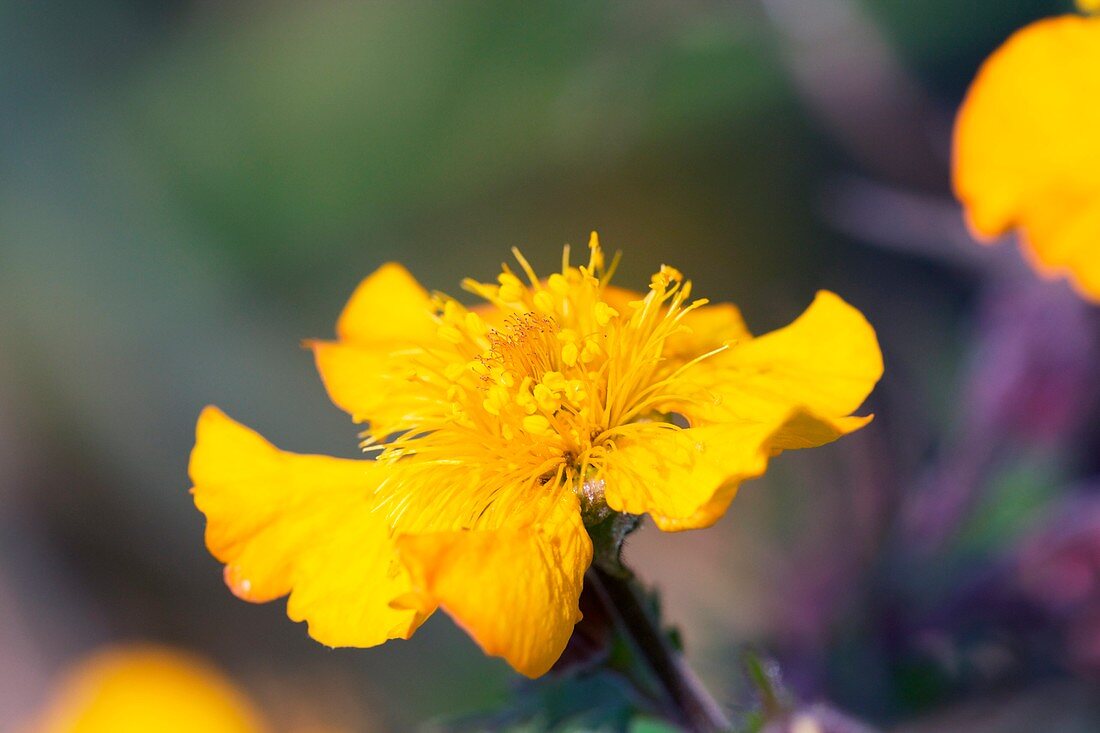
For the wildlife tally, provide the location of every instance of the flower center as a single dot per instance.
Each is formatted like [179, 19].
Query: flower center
[527, 346]
[534, 381]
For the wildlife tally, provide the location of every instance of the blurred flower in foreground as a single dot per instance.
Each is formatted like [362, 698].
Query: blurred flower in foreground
[500, 432]
[146, 688]
[1026, 150]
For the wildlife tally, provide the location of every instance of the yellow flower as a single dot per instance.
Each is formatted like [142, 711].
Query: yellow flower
[144, 688]
[1027, 153]
[498, 430]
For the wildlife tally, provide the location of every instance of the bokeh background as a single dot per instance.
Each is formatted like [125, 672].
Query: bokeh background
[189, 188]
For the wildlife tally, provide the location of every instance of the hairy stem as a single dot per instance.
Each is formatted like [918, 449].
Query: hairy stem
[688, 700]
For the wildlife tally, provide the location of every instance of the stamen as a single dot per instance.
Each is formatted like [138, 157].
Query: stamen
[533, 397]
[526, 267]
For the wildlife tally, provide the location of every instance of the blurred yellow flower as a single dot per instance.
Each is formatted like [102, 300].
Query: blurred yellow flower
[499, 431]
[1027, 153]
[142, 689]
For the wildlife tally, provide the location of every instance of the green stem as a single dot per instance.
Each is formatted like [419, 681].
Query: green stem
[689, 702]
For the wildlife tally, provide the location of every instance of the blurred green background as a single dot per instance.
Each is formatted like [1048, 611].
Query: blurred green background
[188, 189]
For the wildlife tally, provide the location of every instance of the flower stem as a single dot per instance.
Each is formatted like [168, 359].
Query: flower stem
[689, 701]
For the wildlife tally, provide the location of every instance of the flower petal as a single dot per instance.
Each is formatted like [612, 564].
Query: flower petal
[366, 371]
[346, 585]
[350, 375]
[1025, 150]
[659, 469]
[717, 324]
[620, 298]
[515, 590]
[685, 479]
[1064, 240]
[385, 389]
[709, 327]
[388, 306]
[799, 430]
[827, 361]
[791, 388]
[300, 524]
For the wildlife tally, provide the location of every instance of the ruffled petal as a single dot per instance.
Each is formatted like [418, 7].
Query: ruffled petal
[685, 479]
[300, 524]
[659, 469]
[800, 429]
[792, 388]
[1025, 151]
[515, 590]
[826, 361]
[348, 582]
